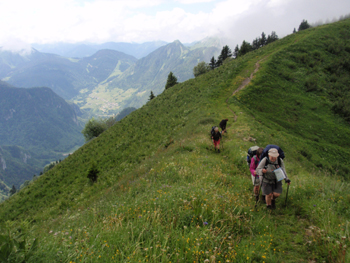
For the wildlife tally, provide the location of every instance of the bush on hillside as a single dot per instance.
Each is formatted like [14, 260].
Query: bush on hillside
[200, 69]
[93, 128]
[93, 173]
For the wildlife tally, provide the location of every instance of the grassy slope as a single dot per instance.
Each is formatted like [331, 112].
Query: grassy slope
[163, 195]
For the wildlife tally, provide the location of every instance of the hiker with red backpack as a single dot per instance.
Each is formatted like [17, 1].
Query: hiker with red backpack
[216, 135]
[255, 177]
[272, 170]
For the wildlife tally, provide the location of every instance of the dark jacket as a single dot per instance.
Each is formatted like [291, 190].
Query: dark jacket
[223, 124]
[216, 136]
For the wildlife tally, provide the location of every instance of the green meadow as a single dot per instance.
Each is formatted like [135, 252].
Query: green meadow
[164, 195]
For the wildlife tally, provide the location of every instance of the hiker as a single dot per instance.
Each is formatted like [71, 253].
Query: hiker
[216, 135]
[255, 178]
[222, 125]
[268, 170]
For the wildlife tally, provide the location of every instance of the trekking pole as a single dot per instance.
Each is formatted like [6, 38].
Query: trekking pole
[285, 204]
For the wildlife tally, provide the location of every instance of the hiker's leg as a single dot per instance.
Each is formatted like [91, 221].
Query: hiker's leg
[269, 198]
[275, 195]
[267, 192]
[256, 190]
[277, 191]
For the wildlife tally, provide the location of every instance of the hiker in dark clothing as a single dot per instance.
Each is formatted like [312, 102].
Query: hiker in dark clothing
[216, 139]
[223, 125]
[267, 169]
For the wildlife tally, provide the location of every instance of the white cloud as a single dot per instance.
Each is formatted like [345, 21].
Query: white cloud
[194, 1]
[44, 21]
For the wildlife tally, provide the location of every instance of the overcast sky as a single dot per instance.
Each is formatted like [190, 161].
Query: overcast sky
[97, 21]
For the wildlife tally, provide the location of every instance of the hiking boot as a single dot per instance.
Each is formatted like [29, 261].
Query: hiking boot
[273, 204]
[268, 207]
[263, 199]
[218, 151]
[257, 198]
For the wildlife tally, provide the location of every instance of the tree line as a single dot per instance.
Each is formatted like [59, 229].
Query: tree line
[239, 51]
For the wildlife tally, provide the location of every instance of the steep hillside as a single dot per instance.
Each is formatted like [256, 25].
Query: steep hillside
[162, 193]
[36, 127]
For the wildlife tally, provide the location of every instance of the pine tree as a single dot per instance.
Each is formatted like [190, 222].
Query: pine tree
[304, 25]
[245, 48]
[151, 96]
[225, 53]
[294, 31]
[13, 190]
[236, 52]
[256, 44]
[171, 81]
[212, 63]
[263, 39]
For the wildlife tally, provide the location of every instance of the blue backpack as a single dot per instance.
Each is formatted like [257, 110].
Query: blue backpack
[270, 146]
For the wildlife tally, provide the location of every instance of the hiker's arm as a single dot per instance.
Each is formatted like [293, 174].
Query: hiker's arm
[252, 167]
[287, 180]
[260, 168]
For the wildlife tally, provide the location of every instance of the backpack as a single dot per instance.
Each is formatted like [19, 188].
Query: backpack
[251, 152]
[212, 132]
[270, 146]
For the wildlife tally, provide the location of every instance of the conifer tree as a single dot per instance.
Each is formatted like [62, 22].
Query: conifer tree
[212, 63]
[245, 48]
[151, 96]
[225, 53]
[13, 190]
[256, 44]
[304, 25]
[171, 81]
[236, 52]
[263, 39]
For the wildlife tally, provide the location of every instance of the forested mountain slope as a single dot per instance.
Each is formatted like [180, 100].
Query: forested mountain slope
[162, 194]
[36, 127]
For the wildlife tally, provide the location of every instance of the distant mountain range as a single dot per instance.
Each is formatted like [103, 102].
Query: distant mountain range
[36, 127]
[66, 77]
[81, 50]
[109, 80]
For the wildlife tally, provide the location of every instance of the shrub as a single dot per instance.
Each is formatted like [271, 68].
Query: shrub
[93, 173]
[200, 69]
[93, 128]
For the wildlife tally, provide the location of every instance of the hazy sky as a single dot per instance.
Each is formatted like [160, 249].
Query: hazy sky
[97, 21]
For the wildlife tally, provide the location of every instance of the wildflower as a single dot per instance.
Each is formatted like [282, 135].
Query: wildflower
[205, 223]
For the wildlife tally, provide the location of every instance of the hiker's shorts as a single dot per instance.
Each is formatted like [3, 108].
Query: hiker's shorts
[272, 188]
[255, 180]
[216, 143]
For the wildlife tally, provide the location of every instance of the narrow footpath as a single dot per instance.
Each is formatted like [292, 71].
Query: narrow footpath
[243, 85]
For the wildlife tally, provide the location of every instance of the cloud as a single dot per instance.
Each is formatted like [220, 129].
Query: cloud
[47, 21]
[16, 46]
[187, 2]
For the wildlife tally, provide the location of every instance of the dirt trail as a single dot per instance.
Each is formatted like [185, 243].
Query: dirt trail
[243, 85]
